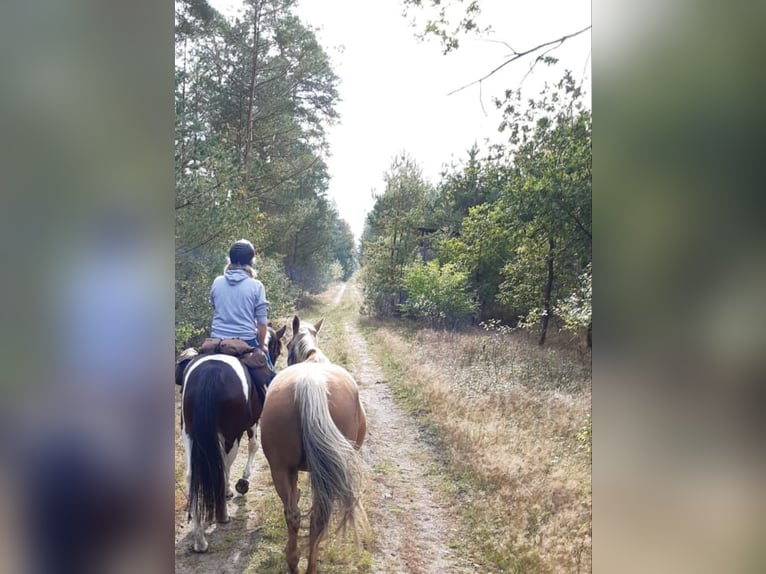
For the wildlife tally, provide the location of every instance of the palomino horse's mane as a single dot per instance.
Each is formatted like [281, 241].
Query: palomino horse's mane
[304, 344]
[305, 348]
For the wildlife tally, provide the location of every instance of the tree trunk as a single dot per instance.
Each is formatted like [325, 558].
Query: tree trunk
[547, 293]
[251, 102]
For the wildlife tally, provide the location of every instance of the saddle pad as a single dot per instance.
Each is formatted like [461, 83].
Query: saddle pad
[182, 362]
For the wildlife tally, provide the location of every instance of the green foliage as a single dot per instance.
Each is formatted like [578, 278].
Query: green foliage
[577, 310]
[186, 333]
[548, 200]
[481, 249]
[280, 291]
[392, 235]
[440, 295]
[253, 98]
[336, 271]
[448, 20]
[514, 224]
[344, 250]
[463, 187]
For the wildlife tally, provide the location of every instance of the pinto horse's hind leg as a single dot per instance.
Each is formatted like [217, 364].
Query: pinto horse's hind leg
[243, 484]
[286, 484]
[229, 453]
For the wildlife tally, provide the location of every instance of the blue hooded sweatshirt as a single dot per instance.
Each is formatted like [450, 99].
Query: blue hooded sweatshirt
[239, 305]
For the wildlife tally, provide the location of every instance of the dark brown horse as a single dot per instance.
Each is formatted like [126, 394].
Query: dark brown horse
[313, 421]
[220, 402]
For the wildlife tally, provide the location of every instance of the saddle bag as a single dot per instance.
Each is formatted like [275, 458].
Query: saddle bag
[255, 359]
[234, 347]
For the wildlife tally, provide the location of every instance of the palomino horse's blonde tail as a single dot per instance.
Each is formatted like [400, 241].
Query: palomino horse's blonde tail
[334, 466]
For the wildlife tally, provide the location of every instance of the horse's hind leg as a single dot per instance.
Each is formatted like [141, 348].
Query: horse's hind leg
[243, 484]
[286, 483]
[228, 459]
[187, 452]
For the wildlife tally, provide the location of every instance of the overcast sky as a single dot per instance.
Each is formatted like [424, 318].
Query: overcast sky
[394, 88]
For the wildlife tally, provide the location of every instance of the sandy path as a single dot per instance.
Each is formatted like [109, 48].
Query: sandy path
[412, 523]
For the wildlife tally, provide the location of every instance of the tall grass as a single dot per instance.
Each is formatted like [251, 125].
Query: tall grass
[509, 419]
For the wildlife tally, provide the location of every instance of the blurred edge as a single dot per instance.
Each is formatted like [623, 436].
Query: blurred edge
[680, 278]
[86, 124]
[86, 321]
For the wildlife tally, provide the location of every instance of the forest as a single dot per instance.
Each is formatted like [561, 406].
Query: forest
[253, 100]
[504, 237]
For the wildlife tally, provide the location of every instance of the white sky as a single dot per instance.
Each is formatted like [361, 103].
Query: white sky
[394, 88]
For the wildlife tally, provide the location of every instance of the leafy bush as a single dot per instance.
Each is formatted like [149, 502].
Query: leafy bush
[577, 309]
[440, 295]
[280, 291]
[185, 333]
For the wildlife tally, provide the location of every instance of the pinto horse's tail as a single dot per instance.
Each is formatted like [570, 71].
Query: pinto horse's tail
[207, 493]
[334, 465]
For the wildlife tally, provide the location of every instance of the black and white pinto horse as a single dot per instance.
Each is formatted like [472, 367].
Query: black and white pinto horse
[220, 403]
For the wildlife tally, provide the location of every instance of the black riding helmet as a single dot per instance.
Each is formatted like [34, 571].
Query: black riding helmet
[242, 252]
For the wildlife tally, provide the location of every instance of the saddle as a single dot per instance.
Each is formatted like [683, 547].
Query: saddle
[249, 356]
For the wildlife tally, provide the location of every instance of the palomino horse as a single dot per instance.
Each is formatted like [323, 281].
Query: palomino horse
[220, 402]
[313, 421]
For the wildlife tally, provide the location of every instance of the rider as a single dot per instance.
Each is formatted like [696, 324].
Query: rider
[239, 300]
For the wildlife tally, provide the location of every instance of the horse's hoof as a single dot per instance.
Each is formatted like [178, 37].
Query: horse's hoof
[230, 493]
[242, 486]
[199, 548]
[224, 520]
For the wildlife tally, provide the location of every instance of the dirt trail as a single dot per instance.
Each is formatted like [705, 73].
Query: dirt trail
[411, 522]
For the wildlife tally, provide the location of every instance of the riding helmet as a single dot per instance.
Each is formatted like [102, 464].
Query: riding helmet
[242, 252]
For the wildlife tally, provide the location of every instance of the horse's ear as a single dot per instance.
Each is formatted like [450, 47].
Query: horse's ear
[281, 332]
[296, 325]
[319, 324]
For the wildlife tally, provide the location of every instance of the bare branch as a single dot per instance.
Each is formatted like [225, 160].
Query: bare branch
[584, 68]
[517, 55]
[481, 101]
[537, 61]
[506, 44]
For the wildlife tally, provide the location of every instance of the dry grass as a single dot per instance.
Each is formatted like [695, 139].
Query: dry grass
[506, 415]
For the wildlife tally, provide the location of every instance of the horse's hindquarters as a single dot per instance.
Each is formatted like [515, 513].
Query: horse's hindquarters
[280, 426]
[215, 404]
